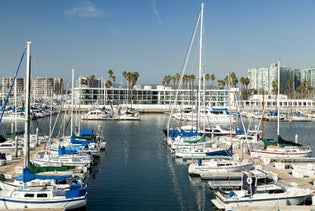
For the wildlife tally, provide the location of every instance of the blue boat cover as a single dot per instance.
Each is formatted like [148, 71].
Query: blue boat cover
[84, 132]
[29, 176]
[66, 150]
[223, 152]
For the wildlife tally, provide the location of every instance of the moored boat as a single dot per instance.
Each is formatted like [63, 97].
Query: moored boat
[255, 193]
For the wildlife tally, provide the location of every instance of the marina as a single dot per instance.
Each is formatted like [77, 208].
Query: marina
[128, 146]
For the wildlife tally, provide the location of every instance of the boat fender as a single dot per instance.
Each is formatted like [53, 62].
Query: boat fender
[231, 193]
[249, 180]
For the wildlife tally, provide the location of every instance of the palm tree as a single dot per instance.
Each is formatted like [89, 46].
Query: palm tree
[110, 74]
[185, 79]
[221, 84]
[112, 78]
[92, 79]
[166, 80]
[231, 80]
[242, 81]
[191, 79]
[134, 78]
[177, 75]
[131, 79]
[212, 78]
[274, 87]
[174, 80]
[246, 82]
[108, 84]
[207, 77]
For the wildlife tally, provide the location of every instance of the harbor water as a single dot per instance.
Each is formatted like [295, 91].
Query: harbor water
[137, 171]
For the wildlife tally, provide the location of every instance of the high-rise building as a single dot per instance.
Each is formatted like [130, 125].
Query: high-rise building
[266, 78]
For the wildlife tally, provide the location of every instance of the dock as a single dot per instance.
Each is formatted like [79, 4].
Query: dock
[9, 168]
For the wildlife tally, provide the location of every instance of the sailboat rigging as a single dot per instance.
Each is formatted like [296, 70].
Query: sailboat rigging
[50, 194]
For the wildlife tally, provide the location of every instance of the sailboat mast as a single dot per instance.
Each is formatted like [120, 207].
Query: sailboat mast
[27, 104]
[200, 61]
[278, 103]
[72, 97]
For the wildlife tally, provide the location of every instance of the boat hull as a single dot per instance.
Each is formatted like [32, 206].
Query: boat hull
[270, 200]
[40, 203]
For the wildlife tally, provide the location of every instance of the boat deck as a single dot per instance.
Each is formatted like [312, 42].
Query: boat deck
[221, 176]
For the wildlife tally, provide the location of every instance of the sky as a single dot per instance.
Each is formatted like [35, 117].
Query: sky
[152, 37]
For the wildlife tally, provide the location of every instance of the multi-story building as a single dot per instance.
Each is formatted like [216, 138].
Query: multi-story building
[40, 87]
[6, 84]
[157, 95]
[58, 86]
[308, 75]
[267, 77]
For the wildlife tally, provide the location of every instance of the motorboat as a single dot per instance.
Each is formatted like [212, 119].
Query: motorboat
[256, 192]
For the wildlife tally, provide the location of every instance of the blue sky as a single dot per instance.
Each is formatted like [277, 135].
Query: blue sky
[152, 36]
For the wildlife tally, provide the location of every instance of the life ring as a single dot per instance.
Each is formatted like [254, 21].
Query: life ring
[249, 180]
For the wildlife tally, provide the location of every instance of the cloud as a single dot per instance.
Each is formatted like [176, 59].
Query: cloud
[85, 9]
[156, 12]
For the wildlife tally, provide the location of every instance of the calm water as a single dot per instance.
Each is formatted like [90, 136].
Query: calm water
[137, 172]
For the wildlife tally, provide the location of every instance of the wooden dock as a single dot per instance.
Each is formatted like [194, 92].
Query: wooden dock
[10, 165]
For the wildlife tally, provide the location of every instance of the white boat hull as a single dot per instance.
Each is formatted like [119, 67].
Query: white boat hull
[270, 200]
[12, 200]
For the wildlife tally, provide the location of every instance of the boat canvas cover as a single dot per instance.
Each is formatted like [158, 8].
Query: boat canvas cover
[29, 176]
[223, 152]
[66, 150]
[76, 190]
[81, 140]
[197, 140]
[175, 132]
[39, 169]
[282, 141]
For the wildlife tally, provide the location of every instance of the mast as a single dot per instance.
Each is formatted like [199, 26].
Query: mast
[200, 62]
[72, 89]
[27, 104]
[278, 103]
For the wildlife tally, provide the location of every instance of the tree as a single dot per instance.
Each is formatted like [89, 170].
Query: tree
[92, 78]
[246, 82]
[274, 87]
[166, 80]
[191, 79]
[174, 80]
[108, 84]
[242, 81]
[177, 75]
[112, 78]
[131, 78]
[231, 80]
[289, 86]
[212, 78]
[110, 74]
[134, 78]
[221, 84]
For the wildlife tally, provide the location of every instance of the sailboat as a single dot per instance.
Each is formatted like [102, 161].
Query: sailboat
[50, 195]
[187, 134]
[281, 148]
